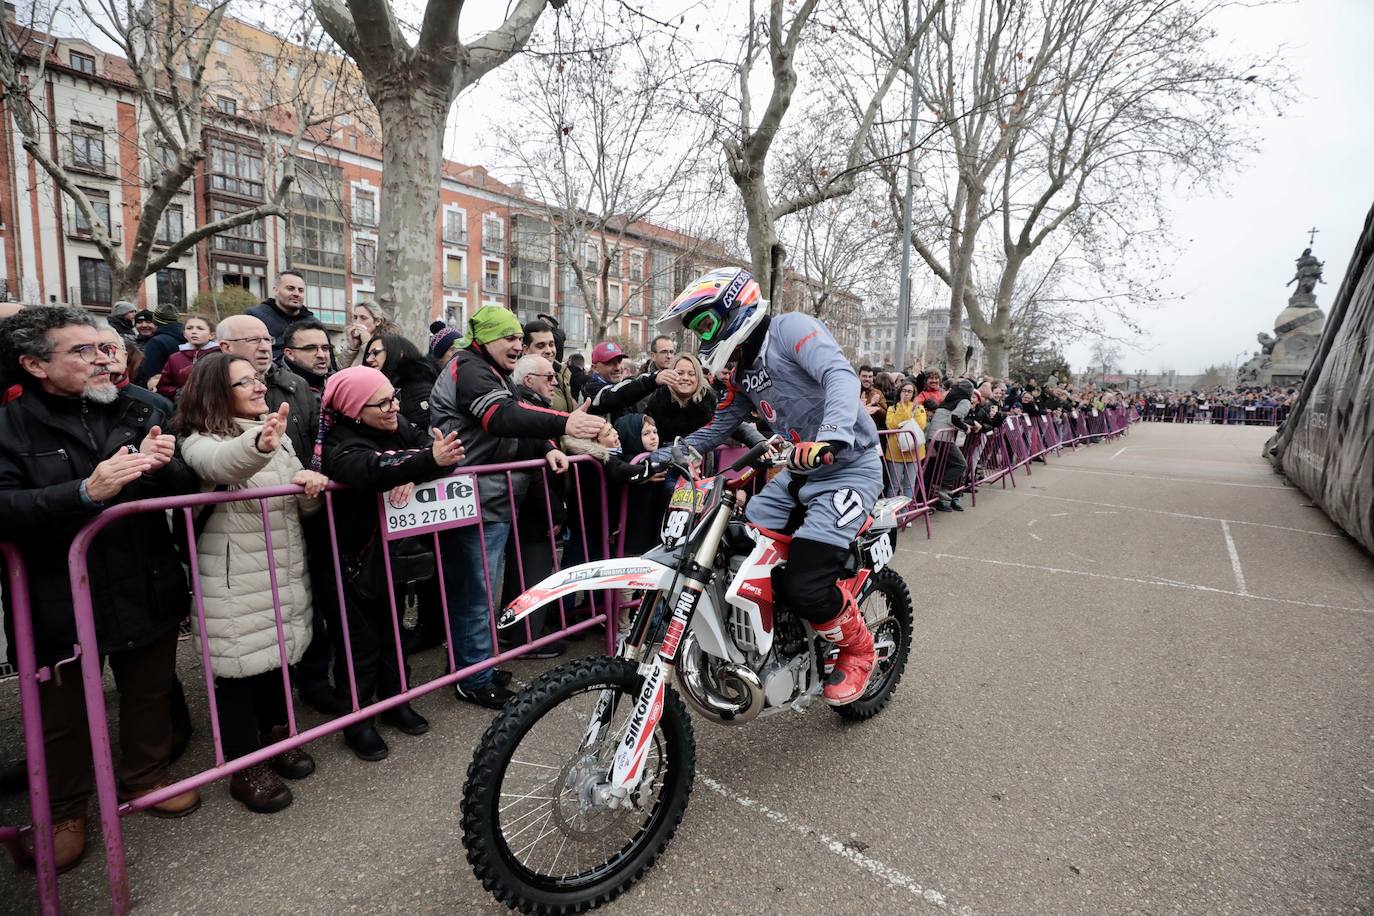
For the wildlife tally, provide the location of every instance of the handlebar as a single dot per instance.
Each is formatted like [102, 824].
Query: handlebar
[751, 456]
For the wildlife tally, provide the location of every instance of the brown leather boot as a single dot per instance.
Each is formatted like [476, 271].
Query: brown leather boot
[292, 764]
[260, 789]
[68, 844]
[176, 806]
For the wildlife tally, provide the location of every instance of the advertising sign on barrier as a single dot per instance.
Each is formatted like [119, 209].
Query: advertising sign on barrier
[447, 502]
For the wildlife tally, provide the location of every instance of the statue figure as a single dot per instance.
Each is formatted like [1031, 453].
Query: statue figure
[1266, 342]
[1309, 273]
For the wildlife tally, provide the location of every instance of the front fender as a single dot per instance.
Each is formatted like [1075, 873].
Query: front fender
[634, 573]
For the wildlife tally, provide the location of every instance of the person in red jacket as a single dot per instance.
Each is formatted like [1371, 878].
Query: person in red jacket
[200, 342]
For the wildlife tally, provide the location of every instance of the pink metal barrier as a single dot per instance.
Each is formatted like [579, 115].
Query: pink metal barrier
[1213, 412]
[1001, 452]
[110, 807]
[30, 676]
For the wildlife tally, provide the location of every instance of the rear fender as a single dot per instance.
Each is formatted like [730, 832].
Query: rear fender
[633, 573]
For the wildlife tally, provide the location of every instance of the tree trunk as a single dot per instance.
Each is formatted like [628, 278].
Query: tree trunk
[958, 278]
[408, 230]
[765, 251]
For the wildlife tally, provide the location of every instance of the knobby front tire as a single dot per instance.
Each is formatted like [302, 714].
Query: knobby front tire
[523, 788]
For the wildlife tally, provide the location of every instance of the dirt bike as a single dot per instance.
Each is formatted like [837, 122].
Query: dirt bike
[581, 780]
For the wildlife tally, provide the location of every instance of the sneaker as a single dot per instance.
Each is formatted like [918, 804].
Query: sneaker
[489, 697]
[943, 506]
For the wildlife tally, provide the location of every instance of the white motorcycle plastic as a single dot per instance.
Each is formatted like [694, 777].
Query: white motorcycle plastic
[580, 782]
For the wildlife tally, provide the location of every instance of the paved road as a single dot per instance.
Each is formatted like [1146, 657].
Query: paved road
[1142, 683]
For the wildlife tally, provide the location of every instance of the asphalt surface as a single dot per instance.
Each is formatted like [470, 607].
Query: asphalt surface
[1142, 682]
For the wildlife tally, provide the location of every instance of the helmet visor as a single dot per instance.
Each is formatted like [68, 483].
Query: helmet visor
[706, 325]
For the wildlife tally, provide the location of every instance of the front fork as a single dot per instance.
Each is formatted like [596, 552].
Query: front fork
[632, 746]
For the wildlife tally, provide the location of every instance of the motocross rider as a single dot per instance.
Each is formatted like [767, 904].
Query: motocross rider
[792, 372]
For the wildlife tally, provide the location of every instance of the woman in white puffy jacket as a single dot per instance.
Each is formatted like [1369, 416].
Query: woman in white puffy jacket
[232, 442]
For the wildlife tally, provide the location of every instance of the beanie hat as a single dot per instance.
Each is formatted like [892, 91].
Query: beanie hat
[441, 339]
[166, 313]
[348, 390]
[123, 307]
[143, 315]
[491, 322]
[344, 396]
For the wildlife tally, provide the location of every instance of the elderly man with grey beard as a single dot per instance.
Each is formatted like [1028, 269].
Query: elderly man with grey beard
[71, 444]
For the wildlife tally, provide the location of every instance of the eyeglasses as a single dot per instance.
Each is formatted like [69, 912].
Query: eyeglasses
[544, 375]
[249, 382]
[668, 352]
[88, 351]
[385, 404]
[373, 354]
[311, 348]
[256, 341]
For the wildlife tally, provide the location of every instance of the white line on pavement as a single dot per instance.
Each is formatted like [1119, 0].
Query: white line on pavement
[1235, 557]
[1164, 583]
[1119, 451]
[1213, 483]
[1205, 518]
[886, 873]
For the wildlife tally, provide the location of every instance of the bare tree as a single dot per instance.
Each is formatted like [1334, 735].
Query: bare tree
[165, 47]
[413, 86]
[596, 140]
[776, 40]
[1071, 119]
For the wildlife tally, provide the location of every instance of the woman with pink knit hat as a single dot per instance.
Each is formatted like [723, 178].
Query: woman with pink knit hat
[364, 442]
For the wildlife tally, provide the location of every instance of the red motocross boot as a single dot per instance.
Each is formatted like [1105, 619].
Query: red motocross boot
[849, 678]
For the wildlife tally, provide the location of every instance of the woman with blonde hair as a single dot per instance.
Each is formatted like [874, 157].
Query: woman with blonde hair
[683, 406]
[369, 321]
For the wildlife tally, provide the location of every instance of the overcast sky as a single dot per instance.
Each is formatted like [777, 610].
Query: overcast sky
[1237, 248]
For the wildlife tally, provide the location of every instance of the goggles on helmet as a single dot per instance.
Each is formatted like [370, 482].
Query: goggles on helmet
[706, 325]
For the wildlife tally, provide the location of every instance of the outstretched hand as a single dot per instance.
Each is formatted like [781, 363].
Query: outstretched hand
[581, 424]
[448, 450]
[159, 447]
[269, 438]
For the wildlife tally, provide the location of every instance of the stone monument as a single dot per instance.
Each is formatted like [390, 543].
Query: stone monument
[1283, 358]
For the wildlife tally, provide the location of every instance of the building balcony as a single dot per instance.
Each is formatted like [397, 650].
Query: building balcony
[493, 245]
[529, 292]
[455, 236]
[456, 284]
[493, 287]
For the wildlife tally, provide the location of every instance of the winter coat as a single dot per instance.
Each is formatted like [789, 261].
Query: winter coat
[372, 461]
[613, 401]
[235, 578]
[674, 418]
[414, 381]
[48, 446]
[542, 505]
[178, 367]
[166, 340]
[478, 400]
[303, 417]
[898, 414]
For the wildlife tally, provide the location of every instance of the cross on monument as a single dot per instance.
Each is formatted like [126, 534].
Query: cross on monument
[1312, 236]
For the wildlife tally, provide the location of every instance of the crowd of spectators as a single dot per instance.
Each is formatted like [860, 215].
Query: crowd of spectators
[1267, 405]
[152, 403]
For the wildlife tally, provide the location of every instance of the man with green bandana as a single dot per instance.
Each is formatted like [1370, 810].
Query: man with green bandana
[475, 397]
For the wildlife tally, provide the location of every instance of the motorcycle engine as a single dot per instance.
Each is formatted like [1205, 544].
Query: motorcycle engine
[783, 678]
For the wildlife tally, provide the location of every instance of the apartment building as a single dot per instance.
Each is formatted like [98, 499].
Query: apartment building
[925, 343]
[495, 244]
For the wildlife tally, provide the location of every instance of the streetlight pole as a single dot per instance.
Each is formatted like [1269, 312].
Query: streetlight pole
[904, 295]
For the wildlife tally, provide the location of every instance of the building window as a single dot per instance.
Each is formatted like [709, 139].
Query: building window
[83, 62]
[315, 241]
[171, 287]
[324, 295]
[491, 275]
[226, 105]
[493, 235]
[88, 148]
[364, 258]
[250, 238]
[455, 272]
[236, 168]
[364, 207]
[95, 281]
[170, 227]
[455, 226]
[100, 203]
[221, 46]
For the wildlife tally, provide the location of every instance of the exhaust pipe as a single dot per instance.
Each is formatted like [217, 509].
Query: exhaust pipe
[745, 700]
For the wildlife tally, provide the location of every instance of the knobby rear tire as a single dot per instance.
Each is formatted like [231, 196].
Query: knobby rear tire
[491, 858]
[893, 588]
